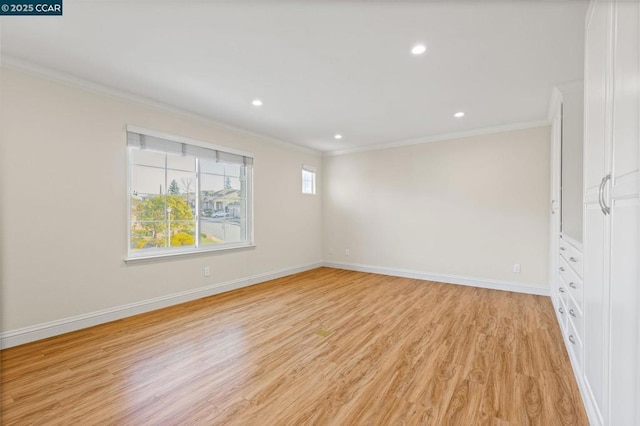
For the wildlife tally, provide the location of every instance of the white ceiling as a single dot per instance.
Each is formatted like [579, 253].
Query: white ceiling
[320, 67]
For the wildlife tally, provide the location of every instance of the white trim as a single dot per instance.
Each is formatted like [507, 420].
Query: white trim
[442, 137]
[312, 171]
[181, 139]
[26, 67]
[557, 98]
[54, 328]
[42, 331]
[168, 253]
[443, 278]
[554, 103]
[555, 157]
[308, 168]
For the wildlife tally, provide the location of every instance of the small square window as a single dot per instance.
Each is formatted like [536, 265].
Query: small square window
[308, 180]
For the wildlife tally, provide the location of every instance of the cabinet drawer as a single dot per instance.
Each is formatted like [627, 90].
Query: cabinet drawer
[566, 277]
[572, 256]
[574, 315]
[561, 308]
[574, 346]
[561, 300]
[570, 282]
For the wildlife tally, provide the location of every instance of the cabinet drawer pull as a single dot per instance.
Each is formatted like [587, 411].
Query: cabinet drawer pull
[572, 285]
[562, 269]
[562, 248]
[561, 310]
[572, 313]
[573, 259]
[572, 339]
[600, 191]
[561, 289]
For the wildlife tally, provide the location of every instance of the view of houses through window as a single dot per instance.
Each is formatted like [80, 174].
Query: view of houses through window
[181, 201]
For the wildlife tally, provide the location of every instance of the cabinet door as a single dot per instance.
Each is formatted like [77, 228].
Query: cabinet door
[625, 136]
[595, 303]
[625, 217]
[596, 70]
[624, 295]
[596, 274]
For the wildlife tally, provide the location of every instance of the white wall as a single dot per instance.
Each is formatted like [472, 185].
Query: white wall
[470, 207]
[64, 210]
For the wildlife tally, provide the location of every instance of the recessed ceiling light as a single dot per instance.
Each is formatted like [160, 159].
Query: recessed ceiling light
[419, 49]
[337, 136]
[256, 102]
[459, 114]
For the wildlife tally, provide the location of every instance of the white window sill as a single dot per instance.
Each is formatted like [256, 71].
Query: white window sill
[173, 254]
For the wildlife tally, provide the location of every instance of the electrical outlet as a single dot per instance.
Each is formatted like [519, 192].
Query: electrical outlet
[207, 271]
[346, 252]
[330, 250]
[516, 268]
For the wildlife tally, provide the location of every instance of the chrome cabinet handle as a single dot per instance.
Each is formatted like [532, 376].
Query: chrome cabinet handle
[600, 197]
[561, 269]
[561, 311]
[572, 313]
[603, 205]
[561, 290]
[573, 259]
[572, 285]
[606, 209]
[572, 339]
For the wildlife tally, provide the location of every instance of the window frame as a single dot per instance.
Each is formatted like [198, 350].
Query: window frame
[314, 184]
[169, 252]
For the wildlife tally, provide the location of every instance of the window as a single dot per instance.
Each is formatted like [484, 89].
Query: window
[308, 179]
[186, 196]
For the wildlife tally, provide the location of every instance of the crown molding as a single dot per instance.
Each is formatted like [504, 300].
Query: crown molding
[15, 64]
[554, 102]
[557, 96]
[442, 137]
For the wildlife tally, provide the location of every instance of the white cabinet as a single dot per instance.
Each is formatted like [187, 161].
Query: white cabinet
[566, 113]
[567, 217]
[625, 218]
[610, 379]
[570, 290]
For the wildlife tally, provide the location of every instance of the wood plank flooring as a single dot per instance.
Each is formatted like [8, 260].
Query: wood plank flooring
[326, 347]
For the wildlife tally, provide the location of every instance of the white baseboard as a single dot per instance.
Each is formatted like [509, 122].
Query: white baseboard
[443, 278]
[66, 325]
[54, 328]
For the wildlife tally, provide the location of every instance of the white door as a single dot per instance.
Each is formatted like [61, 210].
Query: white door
[625, 218]
[597, 67]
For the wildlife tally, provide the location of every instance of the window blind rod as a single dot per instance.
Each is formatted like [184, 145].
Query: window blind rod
[142, 141]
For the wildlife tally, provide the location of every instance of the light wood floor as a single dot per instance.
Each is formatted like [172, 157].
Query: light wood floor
[322, 347]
